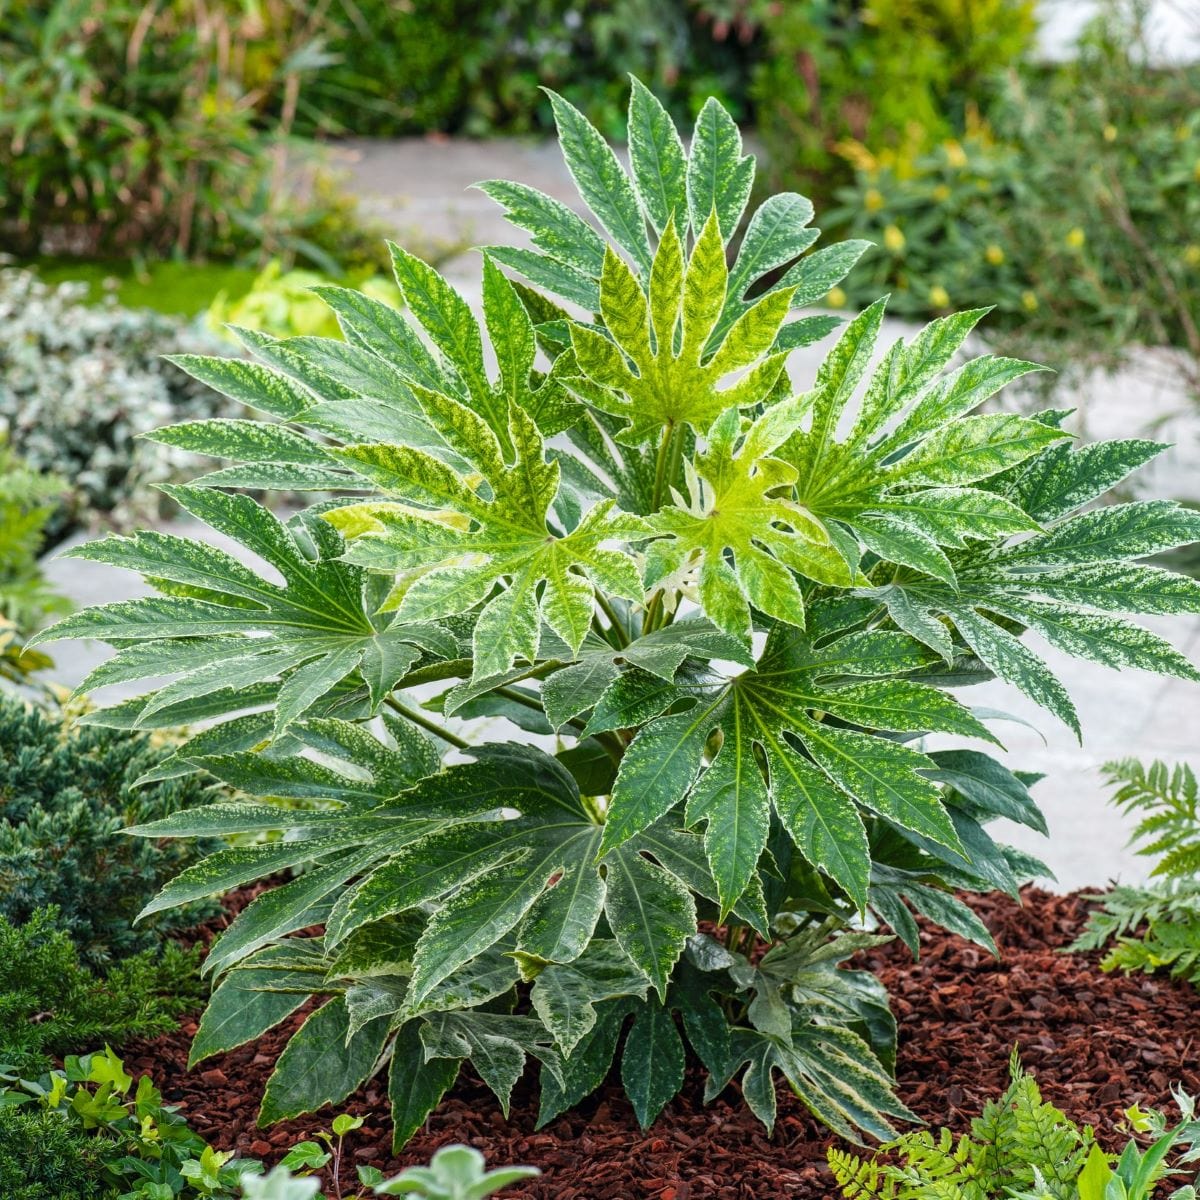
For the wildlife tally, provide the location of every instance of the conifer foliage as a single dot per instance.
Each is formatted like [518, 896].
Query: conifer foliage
[721, 612]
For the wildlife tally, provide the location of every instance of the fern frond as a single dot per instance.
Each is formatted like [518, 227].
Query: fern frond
[1167, 801]
[859, 1178]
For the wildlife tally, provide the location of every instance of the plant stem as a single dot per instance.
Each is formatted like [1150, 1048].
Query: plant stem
[419, 718]
[614, 621]
[660, 469]
[653, 612]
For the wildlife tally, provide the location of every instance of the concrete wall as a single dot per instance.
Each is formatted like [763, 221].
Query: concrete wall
[1174, 28]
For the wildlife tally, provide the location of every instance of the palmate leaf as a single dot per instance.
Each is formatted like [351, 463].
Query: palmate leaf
[784, 497]
[362, 388]
[221, 626]
[652, 368]
[536, 875]
[579, 686]
[827, 1030]
[668, 186]
[1063, 582]
[817, 794]
[505, 535]
[900, 480]
[740, 509]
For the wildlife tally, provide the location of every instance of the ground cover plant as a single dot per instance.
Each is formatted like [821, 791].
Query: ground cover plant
[66, 796]
[1154, 927]
[1023, 1148]
[52, 1004]
[88, 1129]
[718, 610]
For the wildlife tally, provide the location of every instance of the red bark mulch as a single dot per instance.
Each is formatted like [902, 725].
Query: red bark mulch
[1096, 1043]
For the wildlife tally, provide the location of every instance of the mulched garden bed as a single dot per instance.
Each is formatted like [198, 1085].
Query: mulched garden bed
[1096, 1043]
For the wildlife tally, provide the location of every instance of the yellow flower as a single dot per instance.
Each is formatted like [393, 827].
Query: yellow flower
[956, 156]
[893, 239]
[941, 193]
[939, 297]
[1029, 301]
[1110, 133]
[994, 255]
[1075, 238]
[873, 200]
[1196, 170]
[1191, 255]
[836, 298]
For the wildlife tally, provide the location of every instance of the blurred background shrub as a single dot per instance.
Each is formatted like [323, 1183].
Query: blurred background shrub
[79, 382]
[1074, 207]
[67, 793]
[143, 127]
[144, 137]
[51, 1004]
[895, 76]
[458, 66]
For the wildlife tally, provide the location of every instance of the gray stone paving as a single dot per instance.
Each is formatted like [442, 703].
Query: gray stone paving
[424, 185]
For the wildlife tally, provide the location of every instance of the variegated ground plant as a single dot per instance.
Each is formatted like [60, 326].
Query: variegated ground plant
[720, 613]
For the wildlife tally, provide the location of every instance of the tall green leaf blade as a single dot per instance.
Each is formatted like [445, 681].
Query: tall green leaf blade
[319, 1066]
[651, 914]
[600, 179]
[415, 1085]
[653, 1062]
[657, 158]
[719, 178]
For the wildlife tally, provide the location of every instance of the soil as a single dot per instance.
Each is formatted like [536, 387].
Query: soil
[1096, 1043]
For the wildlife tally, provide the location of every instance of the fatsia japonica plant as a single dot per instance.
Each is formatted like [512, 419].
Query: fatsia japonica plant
[718, 613]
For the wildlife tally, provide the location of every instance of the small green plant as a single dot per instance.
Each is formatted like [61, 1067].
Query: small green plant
[313, 1158]
[726, 609]
[143, 1148]
[283, 304]
[51, 1005]
[1167, 801]
[27, 501]
[454, 1173]
[67, 793]
[1022, 1148]
[44, 1158]
[1154, 928]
